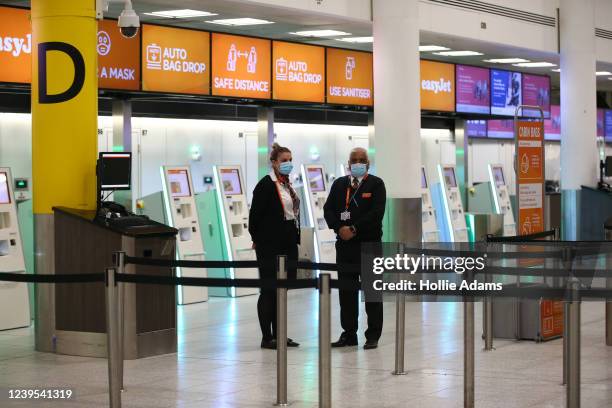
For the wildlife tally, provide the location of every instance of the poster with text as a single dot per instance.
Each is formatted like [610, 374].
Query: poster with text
[118, 58]
[552, 126]
[505, 92]
[473, 89]
[530, 176]
[299, 72]
[350, 77]
[175, 60]
[437, 86]
[536, 92]
[241, 66]
[15, 45]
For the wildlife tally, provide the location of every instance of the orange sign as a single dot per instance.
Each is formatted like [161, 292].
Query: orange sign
[349, 77]
[118, 58]
[175, 60]
[240, 66]
[15, 45]
[530, 176]
[437, 86]
[299, 72]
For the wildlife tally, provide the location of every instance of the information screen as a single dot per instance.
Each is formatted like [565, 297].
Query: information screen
[299, 72]
[423, 178]
[506, 92]
[4, 192]
[552, 126]
[498, 176]
[16, 45]
[600, 122]
[179, 183]
[536, 92]
[476, 128]
[473, 89]
[316, 180]
[230, 179]
[437, 86]
[350, 77]
[608, 124]
[449, 177]
[500, 129]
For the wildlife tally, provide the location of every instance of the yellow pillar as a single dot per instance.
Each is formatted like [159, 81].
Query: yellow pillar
[64, 130]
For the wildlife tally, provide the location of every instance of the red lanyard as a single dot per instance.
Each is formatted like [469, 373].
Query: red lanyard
[348, 191]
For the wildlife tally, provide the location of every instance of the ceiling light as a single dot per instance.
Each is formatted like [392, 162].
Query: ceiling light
[240, 21]
[506, 60]
[320, 33]
[425, 48]
[184, 13]
[458, 53]
[358, 40]
[603, 73]
[535, 64]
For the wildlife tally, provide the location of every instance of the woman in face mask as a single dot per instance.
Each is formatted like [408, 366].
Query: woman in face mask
[274, 225]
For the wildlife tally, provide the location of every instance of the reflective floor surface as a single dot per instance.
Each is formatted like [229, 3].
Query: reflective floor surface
[220, 364]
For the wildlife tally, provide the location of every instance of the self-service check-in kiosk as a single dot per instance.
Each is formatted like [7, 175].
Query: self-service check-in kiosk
[315, 189]
[453, 227]
[430, 226]
[233, 211]
[14, 304]
[181, 213]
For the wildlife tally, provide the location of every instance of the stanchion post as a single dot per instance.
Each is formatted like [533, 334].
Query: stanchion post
[468, 354]
[112, 339]
[573, 348]
[400, 333]
[324, 340]
[565, 340]
[281, 335]
[119, 259]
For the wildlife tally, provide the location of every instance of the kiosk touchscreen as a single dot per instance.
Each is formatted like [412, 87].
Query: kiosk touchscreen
[232, 204]
[501, 198]
[449, 206]
[14, 303]
[430, 226]
[316, 191]
[181, 213]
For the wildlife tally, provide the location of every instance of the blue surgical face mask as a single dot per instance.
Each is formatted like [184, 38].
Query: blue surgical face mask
[285, 168]
[358, 169]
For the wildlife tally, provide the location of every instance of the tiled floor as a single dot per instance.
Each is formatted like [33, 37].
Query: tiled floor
[220, 364]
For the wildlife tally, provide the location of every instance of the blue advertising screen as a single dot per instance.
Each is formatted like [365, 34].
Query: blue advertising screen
[506, 92]
[608, 125]
[476, 128]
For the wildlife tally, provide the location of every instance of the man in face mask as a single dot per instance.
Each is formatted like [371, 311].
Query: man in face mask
[354, 210]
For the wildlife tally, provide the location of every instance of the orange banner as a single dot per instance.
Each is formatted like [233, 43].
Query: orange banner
[118, 58]
[350, 77]
[299, 72]
[15, 45]
[240, 66]
[175, 60]
[437, 86]
[530, 176]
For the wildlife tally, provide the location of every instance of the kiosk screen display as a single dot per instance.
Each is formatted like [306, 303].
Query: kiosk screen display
[498, 176]
[4, 192]
[230, 179]
[449, 177]
[315, 178]
[423, 178]
[179, 183]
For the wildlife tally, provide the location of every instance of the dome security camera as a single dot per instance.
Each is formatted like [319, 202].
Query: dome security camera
[129, 22]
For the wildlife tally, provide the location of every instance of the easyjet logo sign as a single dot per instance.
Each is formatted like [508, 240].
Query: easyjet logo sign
[15, 46]
[437, 86]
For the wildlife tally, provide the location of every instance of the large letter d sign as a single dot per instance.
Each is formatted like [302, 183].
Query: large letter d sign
[79, 72]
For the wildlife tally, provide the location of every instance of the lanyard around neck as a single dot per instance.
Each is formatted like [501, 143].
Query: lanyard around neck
[348, 191]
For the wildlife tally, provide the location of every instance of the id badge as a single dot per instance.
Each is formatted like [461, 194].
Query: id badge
[345, 216]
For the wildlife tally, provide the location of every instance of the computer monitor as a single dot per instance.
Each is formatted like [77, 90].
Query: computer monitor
[230, 180]
[115, 171]
[609, 166]
[5, 197]
[316, 180]
[449, 177]
[179, 183]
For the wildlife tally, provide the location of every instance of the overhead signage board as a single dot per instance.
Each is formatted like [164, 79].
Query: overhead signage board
[608, 125]
[350, 78]
[600, 122]
[536, 92]
[118, 58]
[552, 126]
[476, 128]
[241, 66]
[437, 86]
[473, 89]
[506, 92]
[299, 72]
[500, 129]
[15, 45]
[175, 60]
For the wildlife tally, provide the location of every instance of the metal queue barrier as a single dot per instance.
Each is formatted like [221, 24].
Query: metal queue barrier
[112, 277]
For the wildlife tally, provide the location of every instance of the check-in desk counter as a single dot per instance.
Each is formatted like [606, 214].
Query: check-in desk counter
[85, 246]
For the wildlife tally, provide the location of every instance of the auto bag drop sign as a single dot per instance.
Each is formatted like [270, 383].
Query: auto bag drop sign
[175, 60]
[15, 45]
[118, 58]
[299, 72]
[240, 66]
[349, 77]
